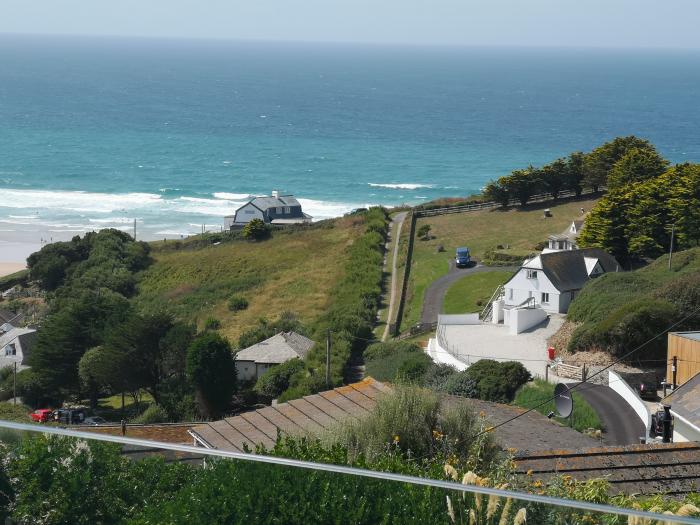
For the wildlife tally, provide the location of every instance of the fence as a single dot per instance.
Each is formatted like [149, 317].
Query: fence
[571, 371]
[406, 273]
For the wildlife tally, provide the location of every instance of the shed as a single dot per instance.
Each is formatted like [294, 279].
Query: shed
[685, 347]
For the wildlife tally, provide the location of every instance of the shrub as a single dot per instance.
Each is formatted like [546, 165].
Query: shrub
[212, 323]
[489, 380]
[396, 360]
[461, 384]
[424, 232]
[256, 230]
[437, 376]
[276, 380]
[237, 303]
[211, 370]
[153, 414]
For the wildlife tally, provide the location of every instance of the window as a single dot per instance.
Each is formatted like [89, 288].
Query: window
[250, 212]
[545, 298]
[287, 210]
[532, 274]
[278, 211]
[10, 350]
[572, 295]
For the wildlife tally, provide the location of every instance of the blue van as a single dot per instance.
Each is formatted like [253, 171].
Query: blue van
[462, 257]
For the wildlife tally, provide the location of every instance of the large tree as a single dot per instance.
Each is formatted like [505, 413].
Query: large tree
[211, 370]
[599, 162]
[637, 165]
[522, 184]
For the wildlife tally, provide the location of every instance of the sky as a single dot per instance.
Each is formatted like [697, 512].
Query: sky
[555, 23]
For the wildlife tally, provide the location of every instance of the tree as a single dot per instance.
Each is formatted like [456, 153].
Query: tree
[256, 230]
[553, 177]
[575, 173]
[211, 370]
[496, 192]
[104, 368]
[606, 226]
[424, 232]
[276, 379]
[599, 162]
[637, 165]
[522, 184]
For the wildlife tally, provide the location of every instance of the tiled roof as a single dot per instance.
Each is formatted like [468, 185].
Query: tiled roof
[672, 468]
[311, 414]
[277, 349]
[567, 269]
[685, 400]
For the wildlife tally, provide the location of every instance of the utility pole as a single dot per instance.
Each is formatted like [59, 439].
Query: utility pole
[670, 250]
[14, 386]
[674, 370]
[134, 229]
[328, 359]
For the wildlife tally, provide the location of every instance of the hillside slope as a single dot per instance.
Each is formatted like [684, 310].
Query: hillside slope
[293, 271]
[620, 311]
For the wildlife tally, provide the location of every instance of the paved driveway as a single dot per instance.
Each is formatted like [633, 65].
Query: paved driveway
[435, 294]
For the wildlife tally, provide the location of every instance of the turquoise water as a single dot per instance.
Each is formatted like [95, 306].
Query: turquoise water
[97, 132]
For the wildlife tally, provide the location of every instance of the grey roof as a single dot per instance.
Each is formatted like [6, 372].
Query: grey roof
[672, 469]
[685, 400]
[277, 349]
[6, 316]
[567, 269]
[264, 203]
[695, 336]
[26, 337]
[309, 415]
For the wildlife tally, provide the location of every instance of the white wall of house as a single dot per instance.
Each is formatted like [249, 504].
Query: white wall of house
[245, 370]
[683, 430]
[520, 287]
[247, 213]
[520, 319]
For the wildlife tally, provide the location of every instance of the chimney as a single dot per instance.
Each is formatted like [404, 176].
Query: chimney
[275, 193]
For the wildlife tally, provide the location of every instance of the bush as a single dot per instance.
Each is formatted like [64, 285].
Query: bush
[237, 302]
[461, 384]
[211, 370]
[212, 324]
[153, 414]
[276, 380]
[396, 360]
[256, 230]
[489, 380]
[437, 376]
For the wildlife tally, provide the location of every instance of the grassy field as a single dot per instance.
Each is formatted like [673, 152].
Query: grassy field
[471, 293]
[539, 390]
[520, 229]
[292, 271]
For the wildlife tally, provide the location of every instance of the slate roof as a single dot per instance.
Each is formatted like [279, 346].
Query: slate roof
[567, 269]
[264, 203]
[277, 349]
[669, 468]
[6, 316]
[311, 414]
[685, 400]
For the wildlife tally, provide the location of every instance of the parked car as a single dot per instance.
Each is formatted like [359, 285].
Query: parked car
[462, 257]
[69, 416]
[42, 415]
[94, 420]
[647, 391]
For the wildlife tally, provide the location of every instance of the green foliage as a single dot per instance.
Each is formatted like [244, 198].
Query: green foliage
[212, 323]
[535, 393]
[287, 322]
[276, 380]
[237, 303]
[599, 162]
[211, 370]
[522, 184]
[11, 412]
[437, 376]
[394, 361]
[636, 165]
[153, 414]
[497, 192]
[489, 380]
[424, 231]
[256, 230]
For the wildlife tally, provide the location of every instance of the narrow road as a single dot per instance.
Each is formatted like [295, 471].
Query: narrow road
[621, 423]
[395, 235]
[435, 294]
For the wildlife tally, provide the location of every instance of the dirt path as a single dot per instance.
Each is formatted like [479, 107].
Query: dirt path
[395, 233]
[435, 294]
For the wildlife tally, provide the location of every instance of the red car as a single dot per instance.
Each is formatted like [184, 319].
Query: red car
[42, 415]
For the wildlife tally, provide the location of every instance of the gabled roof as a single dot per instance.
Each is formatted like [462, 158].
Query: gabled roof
[277, 349]
[685, 400]
[567, 269]
[309, 415]
[25, 337]
[6, 316]
[264, 203]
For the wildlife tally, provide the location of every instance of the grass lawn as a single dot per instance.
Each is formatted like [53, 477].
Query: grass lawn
[539, 390]
[518, 228]
[293, 271]
[18, 413]
[471, 292]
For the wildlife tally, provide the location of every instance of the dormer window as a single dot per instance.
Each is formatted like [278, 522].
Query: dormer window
[532, 274]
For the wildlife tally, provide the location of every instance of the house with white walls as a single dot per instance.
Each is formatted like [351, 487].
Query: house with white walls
[566, 240]
[552, 280]
[276, 209]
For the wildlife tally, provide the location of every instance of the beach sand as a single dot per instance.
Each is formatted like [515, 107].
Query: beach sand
[6, 268]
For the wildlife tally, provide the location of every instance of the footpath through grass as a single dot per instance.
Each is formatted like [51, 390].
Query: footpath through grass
[293, 271]
[472, 292]
[537, 391]
[518, 228]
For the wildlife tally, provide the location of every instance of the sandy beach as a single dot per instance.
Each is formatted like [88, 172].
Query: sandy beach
[6, 268]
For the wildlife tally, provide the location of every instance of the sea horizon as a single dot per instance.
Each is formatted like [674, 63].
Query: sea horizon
[178, 133]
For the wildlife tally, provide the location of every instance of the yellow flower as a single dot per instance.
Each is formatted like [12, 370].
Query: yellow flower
[482, 414]
[537, 484]
[529, 472]
[396, 439]
[437, 435]
[688, 510]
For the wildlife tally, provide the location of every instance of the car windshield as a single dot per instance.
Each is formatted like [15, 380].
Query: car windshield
[462, 252]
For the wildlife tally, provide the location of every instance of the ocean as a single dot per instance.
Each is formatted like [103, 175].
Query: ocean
[97, 132]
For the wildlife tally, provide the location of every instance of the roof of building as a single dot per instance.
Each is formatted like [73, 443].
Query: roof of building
[695, 336]
[567, 269]
[672, 468]
[6, 316]
[568, 234]
[279, 348]
[685, 400]
[311, 414]
[266, 202]
[26, 338]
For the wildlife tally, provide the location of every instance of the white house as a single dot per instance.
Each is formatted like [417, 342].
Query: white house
[274, 209]
[685, 408]
[553, 279]
[566, 240]
[15, 345]
[255, 360]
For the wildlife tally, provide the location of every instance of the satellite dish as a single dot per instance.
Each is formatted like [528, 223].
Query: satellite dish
[563, 400]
